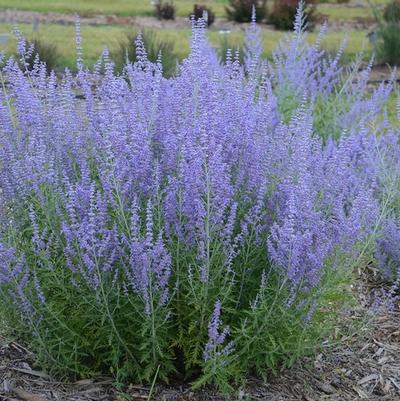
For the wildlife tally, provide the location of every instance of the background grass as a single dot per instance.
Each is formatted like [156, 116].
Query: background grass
[95, 38]
[341, 12]
[355, 9]
[117, 7]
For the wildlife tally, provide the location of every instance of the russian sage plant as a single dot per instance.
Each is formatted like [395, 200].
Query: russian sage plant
[193, 226]
[388, 242]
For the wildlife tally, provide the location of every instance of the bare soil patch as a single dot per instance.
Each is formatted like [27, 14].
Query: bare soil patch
[383, 73]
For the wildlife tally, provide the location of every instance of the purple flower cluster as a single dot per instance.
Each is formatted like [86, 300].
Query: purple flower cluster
[216, 338]
[8, 258]
[388, 249]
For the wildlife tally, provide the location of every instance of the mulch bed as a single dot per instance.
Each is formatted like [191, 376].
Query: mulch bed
[363, 365]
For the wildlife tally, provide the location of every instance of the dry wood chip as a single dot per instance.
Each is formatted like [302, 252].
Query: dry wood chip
[388, 385]
[91, 390]
[27, 396]
[397, 385]
[139, 396]
[382, 319]
[241, 394]
[84, 382]
[317, 362]
[136, 387]
[325, 387]
[366, 379]
[20, 348]
[365, 347]
[31, 372]
[6, 386]
[361, 393]
[384, 359]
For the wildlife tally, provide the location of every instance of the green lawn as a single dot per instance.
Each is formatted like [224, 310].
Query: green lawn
[391, 108]
[95, 38]
[117, 7]
[342, 13]
[354, 10]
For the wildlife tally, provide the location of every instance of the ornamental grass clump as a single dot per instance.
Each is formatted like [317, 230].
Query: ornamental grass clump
[157, 50]
[387, 42]
[196, 226]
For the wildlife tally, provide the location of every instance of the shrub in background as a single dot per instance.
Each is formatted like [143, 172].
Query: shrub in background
[386, 37]
[391, 11]
[284, 11]
[157, 49]
[200, 10]
[165, 9]
[196, 225]
[241, 10]
[387, 45]
[45, 52]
